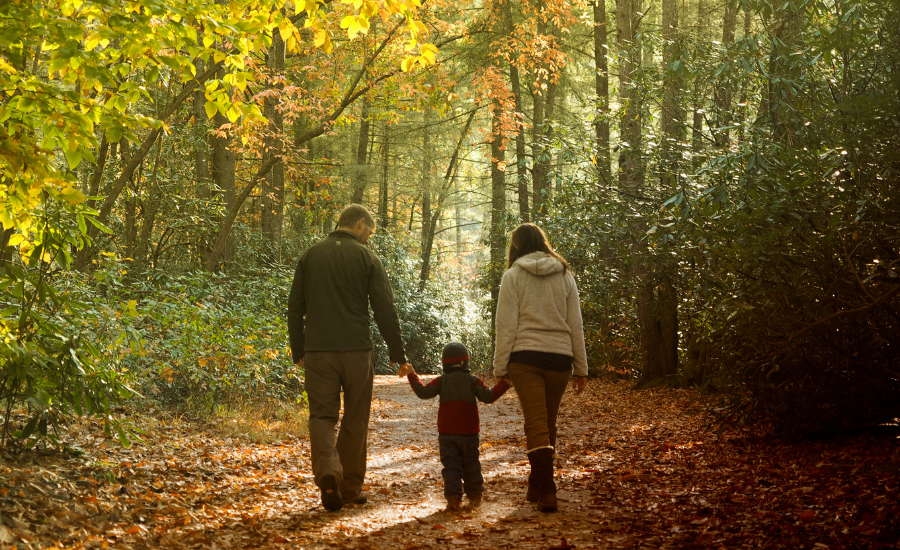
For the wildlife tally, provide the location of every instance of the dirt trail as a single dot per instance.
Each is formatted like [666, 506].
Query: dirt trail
[635, 470]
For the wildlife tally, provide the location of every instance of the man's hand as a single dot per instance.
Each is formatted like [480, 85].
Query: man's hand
[404, 370]
[299, 363]
[579, 383]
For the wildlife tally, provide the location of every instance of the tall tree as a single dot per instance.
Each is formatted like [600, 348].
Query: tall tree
[601, 88]
[498, 207]
[723, 91]
[385, 170]
[671, 117]
[516, 85]
[361, 166]
[272, 215]
[628, 14]
[784, 68]
[425, 184]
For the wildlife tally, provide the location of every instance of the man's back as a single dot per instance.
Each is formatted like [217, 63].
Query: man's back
[334, 283]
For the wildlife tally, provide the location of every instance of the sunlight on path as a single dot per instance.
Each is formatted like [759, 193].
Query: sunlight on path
[406, 504]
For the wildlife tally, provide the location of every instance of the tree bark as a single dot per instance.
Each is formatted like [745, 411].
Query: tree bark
[601, 87]
[657, 307]
[150, 207]
[272, 203]
[542, 134]
[783, 67]
[361, 167]
[723, 90]
[516, 85]
[383, 189]
[427, 233]
[697, 115]
[671, 117]
[521, 168]
[498, 213]
[627, 29]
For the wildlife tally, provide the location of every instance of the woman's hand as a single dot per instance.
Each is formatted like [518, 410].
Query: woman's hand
[508, 380]
[579, 383]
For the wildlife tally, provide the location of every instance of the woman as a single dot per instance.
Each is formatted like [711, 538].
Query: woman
[539, 341]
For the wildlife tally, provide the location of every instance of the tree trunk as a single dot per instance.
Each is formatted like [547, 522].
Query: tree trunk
[723, 90]
[201, 152]
[383, 189]
[361, 167]
[515, 84]
[425, 185]
[150, 207]
[671, 117]
[521, 168]
[783, 68]
[97, 177]
[542, 134]
[223, 169]
[601, 87]
[744, 84]
[498, 213]
[658, 317]
[272, 215]
[627, 29]
[697, 116]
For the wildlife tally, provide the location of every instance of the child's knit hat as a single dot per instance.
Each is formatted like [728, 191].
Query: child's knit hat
[455, 352]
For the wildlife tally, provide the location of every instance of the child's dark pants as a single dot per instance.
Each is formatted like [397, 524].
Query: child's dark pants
[459, 455]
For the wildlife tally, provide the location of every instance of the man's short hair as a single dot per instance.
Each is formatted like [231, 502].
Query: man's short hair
[351, 215]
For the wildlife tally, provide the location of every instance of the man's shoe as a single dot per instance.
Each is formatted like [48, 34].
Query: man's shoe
[453, 503]
[331, 495]
[358, 498]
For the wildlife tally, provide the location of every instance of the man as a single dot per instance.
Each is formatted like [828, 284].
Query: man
[328, 323]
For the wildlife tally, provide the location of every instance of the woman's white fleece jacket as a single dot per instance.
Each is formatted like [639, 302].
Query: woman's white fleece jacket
[539, 310]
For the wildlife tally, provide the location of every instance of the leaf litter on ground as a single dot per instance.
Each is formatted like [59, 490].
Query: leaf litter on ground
[636, 469]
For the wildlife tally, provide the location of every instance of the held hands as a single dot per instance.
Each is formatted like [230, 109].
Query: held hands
[579, 383]
[404, 369]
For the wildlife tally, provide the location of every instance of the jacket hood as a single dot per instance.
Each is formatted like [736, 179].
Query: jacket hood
[540, 263]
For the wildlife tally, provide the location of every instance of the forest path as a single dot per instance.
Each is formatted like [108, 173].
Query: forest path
[635, 470]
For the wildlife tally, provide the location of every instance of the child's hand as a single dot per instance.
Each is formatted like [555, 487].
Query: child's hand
[405, 369]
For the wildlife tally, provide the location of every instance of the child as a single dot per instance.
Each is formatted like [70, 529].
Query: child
[458, 423]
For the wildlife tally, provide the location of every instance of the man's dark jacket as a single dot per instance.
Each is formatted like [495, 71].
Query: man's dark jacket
[328, 308]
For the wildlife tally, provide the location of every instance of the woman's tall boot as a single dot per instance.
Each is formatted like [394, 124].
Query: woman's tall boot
[542, 461]
[533, 495]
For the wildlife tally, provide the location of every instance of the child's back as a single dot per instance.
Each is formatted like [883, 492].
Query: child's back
[458, 422]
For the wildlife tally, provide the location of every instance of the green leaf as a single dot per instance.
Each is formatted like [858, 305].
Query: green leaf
[73, 158]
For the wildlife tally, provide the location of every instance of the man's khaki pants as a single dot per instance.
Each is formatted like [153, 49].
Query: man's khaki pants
[327, 373]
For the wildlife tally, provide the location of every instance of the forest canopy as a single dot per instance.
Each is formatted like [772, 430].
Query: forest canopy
[722, 177]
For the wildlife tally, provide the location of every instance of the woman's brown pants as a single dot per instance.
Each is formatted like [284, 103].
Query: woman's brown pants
[540, 391]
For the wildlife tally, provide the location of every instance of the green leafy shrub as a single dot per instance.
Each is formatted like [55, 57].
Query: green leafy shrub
[208, 340]
[51, 369]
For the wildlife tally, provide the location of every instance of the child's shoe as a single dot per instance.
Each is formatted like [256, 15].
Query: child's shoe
[453, 503]
[474, 501]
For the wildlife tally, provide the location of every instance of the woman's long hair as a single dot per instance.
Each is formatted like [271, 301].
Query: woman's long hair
[528, 238]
